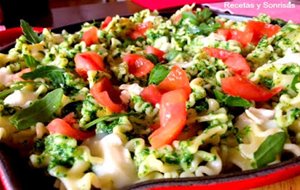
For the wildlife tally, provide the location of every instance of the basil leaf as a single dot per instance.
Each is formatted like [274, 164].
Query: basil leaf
[269, 149]
[30, 35]
[55, 74]
[5, 93]
[30, 61]
[40, 111]
[231, 101]
[106, 118]
[158, 74]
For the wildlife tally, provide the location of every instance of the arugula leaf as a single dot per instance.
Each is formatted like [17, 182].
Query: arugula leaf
[269, 149]
[30, 61]
[40, 111]
[55, 74]
[158, 74]
[106, 118]
[30, 35]
[231, 101]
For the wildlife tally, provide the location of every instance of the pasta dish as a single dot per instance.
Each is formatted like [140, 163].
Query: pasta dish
[136, 98]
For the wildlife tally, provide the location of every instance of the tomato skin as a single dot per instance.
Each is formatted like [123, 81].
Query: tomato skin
[234, 61]
[87, 61]
[260, 29]
[62, 127]
[244, 37]
[90, 36]
[224, 32]
[70, 118]
[138, 65]
[237, 64]
[106, 95]
[106, 22]
[172, 118]
[140, 30]
[151, 94]
[176, 79]
[157, 52]
[244, 88]
[217, 52]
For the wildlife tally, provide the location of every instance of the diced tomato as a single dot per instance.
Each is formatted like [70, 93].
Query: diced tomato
[176, 79]
[151, 94]
[172, 116]
[87, 61]
[157, 52]
[218, 53]
[106, 95]
[234, 61]
[237, 64]
[244, 88]
[106, 22]
[260, 29]
[176, 19]
[70, 118]
[138, 65]
[224, 32]
[140, 30]
[60, 126]
[154, 126]
[244, 37]
[90, 36]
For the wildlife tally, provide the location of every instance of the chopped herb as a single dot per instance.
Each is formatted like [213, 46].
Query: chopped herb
[106, 118]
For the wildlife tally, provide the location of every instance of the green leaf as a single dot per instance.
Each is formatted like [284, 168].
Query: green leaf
[106, 118]
[39, 111]
[5, 93]
[204, 14]
[171, 55]
[191, 16]
[53, 73]
[206, 29]
[269, 149]
[30, 61]
[153, 58]
[158, 74]
[231, 101]
[295, 80]
[30, 35]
